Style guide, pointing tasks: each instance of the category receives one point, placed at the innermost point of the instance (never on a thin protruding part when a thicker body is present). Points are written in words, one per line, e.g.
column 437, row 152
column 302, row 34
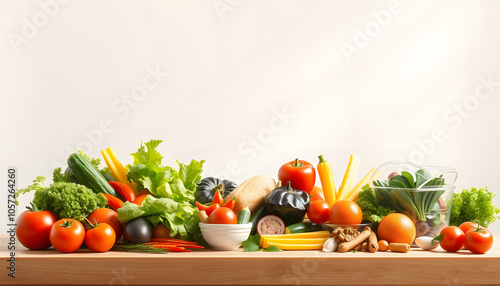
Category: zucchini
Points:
column 89, row 176
column 244, row 216
column 256, row 217
column 303, row 227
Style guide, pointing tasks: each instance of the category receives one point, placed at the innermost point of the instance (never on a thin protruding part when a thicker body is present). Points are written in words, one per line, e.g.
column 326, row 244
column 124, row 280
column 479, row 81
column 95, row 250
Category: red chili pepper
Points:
column 230, row 204
column 114, row 202
column 140, row 199
column 192, row 246
column 218, row 199
column 172, row 240
column 207, row 209
column 124, row 190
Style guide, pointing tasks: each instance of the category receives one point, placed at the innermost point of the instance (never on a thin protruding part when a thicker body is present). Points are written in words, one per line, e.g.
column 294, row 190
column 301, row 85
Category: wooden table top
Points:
column 208, row 267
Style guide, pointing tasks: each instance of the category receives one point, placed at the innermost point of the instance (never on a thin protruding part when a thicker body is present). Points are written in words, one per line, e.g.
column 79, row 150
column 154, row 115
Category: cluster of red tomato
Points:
column 470, row 235
column 40, row 229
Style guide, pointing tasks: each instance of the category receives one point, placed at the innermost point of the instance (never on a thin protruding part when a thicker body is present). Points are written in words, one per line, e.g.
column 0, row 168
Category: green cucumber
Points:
column 89, row 176
column 244, row 216
column 256, row 217
column 303, row 227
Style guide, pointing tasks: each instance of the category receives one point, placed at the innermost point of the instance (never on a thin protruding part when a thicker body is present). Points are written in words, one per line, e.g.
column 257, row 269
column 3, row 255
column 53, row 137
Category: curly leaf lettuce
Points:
column 372, row 211
column 474, row 205
column 172, row 203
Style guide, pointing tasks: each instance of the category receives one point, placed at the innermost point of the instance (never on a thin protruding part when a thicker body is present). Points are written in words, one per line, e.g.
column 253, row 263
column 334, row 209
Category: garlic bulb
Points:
column 330, row 245
column 426, row 242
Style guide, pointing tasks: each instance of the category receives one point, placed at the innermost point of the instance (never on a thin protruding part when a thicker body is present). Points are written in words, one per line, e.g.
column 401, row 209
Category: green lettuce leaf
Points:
column 172, row 214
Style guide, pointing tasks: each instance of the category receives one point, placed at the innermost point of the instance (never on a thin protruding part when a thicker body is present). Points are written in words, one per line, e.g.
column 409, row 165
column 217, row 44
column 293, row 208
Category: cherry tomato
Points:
column 161, row 231
column 318, row 212
column 478, row 240
column 346, row 212
column 223, row 215
column 300, row 173
column 451, row 239
column 100, row 237
column 67, row 235
column 468, row 225
column 397, row 228
column 317, row 194
column 109, row 216
column 33, row 228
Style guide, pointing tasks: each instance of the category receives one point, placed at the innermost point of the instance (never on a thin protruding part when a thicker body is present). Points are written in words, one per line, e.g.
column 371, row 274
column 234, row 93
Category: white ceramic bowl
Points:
column 225, row 236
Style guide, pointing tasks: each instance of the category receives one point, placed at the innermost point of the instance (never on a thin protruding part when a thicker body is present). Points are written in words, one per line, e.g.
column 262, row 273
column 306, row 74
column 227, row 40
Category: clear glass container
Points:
column 424, row 194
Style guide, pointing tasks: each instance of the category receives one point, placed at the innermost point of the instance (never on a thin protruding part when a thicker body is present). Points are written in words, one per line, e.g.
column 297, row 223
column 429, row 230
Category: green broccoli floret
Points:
column 474, row 205
column 372, row 211
column 69, row 200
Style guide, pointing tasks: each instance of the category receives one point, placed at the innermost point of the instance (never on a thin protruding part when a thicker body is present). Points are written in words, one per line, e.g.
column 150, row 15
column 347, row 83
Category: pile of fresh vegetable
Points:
column 147, row 201
column 147, row 206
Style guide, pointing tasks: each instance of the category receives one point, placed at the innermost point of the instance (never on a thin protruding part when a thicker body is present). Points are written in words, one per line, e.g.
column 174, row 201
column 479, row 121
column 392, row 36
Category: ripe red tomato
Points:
column 318, row 212
column 397, row 228
column 468, row 225
column 451, row 239
column 479, row 240
column 346, row 212
column 33, row 228
column 317, row 194
column 300, row 173
column 109, row 216
column 100, row 237
column 223, row 215
column 67, row 235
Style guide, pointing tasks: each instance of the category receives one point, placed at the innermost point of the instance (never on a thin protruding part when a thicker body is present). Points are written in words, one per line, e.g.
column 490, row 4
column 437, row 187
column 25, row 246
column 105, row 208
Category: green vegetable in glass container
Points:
column 419, row 201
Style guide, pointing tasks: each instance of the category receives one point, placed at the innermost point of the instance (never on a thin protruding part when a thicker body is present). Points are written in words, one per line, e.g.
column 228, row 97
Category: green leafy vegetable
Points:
column 172, row 214
column 65, row 200
column 38, row 184
column 273, row 248
column 372, row 211
column 474, row 205
column 173, row 189
column 59, row 176
column 419, row 201
column 252, row 243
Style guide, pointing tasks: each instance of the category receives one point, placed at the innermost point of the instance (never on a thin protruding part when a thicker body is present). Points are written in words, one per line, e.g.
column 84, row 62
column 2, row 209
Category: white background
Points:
column 234, row 66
